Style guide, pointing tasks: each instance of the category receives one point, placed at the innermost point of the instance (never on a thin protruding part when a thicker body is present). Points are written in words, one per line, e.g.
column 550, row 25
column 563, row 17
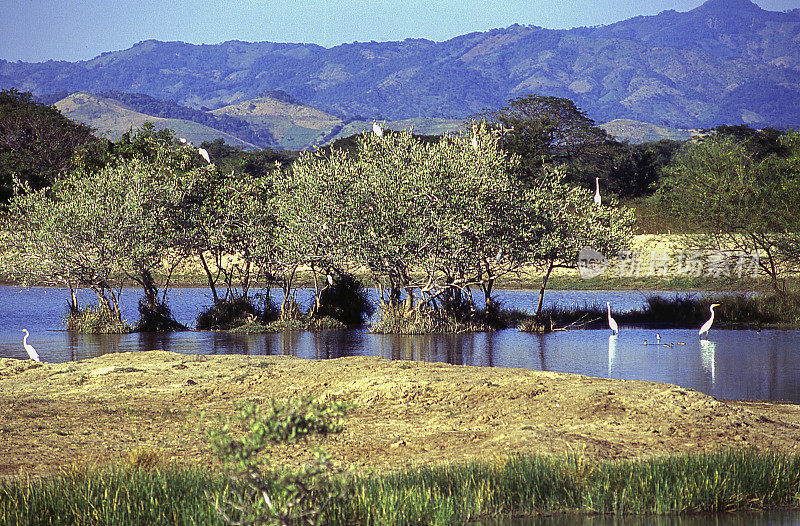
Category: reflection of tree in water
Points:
column 338, row 344
column 85, row 346
column 445, row 348
column 290, row 342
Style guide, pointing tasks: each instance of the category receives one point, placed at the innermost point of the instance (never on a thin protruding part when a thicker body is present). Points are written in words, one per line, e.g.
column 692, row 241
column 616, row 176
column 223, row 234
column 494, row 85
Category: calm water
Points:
column 729, row 364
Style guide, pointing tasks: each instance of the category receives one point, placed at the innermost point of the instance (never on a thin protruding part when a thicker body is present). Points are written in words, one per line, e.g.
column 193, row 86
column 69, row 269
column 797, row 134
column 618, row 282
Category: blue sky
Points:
column 38, row 30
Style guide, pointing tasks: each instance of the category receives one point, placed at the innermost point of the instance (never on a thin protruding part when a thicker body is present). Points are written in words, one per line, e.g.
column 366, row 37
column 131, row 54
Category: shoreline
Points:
column 408, row 414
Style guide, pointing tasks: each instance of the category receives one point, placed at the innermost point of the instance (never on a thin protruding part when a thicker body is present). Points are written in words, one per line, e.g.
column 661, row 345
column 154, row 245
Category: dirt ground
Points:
column 109, row 409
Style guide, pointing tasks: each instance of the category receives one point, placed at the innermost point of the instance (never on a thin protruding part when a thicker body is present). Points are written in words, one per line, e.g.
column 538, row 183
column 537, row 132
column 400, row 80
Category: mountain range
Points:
column 725, row 62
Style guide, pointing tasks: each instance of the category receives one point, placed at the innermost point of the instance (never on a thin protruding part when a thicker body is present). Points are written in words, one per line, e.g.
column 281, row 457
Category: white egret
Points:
column 597, row 199
column 658, row 337
column 612, row 323
column 474, row 143
column 376, row 128
column 204, row 154
column 707, row 325
column 183, row 140
column 29, row 348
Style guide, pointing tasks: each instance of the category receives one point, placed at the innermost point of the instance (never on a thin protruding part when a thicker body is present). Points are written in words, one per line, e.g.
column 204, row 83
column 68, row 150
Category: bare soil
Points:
column 119, row 407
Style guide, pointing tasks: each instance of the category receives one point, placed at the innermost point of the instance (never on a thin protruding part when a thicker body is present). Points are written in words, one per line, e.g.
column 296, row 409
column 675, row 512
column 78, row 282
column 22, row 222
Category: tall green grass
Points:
column 725, row 481
column 95, row 319
column 112, row 496
column 733, row 310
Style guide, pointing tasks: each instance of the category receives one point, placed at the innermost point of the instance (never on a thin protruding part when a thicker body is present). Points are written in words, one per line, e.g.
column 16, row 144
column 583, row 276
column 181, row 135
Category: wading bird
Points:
column 29, row 348
column 597, row 199
column 376, row 128
column 707, row 325
column 612, row 323
column 204, row 154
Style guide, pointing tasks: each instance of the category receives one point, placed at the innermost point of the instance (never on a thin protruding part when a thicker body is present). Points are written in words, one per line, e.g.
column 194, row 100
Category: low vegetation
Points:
column 95, row 320
column 719, row 482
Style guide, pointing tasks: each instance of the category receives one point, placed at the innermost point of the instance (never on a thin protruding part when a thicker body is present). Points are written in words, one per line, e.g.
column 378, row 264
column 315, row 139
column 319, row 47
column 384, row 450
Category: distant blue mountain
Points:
column 725, row 62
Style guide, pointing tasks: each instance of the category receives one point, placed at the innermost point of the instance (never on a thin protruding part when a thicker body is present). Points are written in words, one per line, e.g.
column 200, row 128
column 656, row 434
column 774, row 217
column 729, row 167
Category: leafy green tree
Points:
column 99, row 229
column 550, row 131
column 433, row 221
column 36, row 142
column 740, row 203
column 636, row 168
column 567, row 220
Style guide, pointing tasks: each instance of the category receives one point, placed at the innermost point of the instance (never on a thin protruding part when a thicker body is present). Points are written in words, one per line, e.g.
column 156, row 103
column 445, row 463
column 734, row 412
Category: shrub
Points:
column 230, row 314
column 156, row 318
column 259, row 490
column 346, row 300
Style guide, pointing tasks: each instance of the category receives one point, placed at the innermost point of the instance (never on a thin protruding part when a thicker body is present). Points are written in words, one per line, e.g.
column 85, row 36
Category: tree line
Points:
column 430, row 221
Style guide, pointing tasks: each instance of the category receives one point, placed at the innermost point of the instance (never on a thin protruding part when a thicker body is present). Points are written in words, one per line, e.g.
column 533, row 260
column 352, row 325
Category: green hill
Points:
column 294, row 126
column 111, row 119
column 638, row 132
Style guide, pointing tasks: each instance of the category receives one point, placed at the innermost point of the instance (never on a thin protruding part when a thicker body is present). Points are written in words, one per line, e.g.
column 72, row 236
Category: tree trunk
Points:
column 73, row 300
column 544, row 286
column 211, row 284
column 287, row 290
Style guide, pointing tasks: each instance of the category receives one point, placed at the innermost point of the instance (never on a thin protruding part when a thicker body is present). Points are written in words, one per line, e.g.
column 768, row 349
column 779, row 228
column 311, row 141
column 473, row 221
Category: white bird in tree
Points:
column 183, row 141
column 204, row 154
column 376, row 128
column 707, row 325
column 612, row 323
column 597, row 199
column 29, row 348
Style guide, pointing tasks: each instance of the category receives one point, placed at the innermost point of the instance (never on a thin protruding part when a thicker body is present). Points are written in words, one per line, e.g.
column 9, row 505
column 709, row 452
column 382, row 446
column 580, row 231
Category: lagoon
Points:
column 729, row 364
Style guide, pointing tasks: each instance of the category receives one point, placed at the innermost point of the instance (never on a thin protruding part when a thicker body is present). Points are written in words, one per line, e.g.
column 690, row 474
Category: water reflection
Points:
column 708, row 350
column 765, row 518
column 612, row 352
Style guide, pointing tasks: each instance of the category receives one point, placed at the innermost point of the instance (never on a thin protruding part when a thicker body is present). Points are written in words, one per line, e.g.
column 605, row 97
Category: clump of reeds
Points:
column 560, row 317
column 117, row 496
column 95, row 319
column 397, row 319
column 733, row 310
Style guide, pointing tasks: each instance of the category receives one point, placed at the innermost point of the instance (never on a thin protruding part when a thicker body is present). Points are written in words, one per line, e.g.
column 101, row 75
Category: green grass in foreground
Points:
column 727, row 481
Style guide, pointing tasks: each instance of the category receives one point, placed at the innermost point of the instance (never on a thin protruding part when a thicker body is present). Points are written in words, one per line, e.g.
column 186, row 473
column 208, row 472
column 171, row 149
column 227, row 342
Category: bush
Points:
column 346, row 300
column 260, row 491
column 157, row 318
column 225, row 315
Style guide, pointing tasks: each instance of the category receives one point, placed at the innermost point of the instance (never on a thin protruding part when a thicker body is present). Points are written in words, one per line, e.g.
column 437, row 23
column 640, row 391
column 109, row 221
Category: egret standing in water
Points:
column 597, row 199
column 612, row 323
column 29, row 348
column 707, row 325
column 376, row 128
